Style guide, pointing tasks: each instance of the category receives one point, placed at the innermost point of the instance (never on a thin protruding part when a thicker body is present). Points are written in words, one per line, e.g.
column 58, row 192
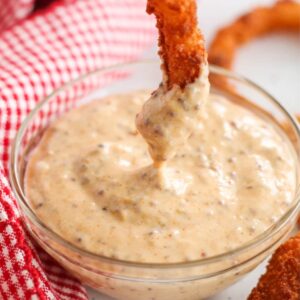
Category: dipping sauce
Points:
column 91, row 180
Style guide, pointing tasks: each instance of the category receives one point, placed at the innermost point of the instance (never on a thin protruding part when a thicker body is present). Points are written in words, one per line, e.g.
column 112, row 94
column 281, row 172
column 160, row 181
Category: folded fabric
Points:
column 11, row 11
column 36, row 56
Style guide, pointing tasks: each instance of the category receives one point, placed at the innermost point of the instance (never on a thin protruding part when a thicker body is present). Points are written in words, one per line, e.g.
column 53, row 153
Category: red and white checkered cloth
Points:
column 37, row 55
column 11, row 11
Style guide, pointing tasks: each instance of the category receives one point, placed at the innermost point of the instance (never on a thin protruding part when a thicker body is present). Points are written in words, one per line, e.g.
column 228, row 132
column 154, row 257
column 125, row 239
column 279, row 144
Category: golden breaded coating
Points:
column 282, row 279
column 283, row 15
column 181, row 43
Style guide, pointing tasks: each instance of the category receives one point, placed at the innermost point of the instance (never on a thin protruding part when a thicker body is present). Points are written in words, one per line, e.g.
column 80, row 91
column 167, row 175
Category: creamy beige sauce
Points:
column 91, row 180
column 169, row 117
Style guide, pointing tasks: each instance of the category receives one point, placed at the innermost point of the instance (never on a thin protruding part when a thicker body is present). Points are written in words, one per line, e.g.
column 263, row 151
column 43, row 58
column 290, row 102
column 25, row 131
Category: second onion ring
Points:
column 283, row 15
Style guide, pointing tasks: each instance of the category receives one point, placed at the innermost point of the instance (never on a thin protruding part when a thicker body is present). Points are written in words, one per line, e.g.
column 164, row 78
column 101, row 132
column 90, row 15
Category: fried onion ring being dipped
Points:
column 181, row 43
column 185, row 85
column 282, row 278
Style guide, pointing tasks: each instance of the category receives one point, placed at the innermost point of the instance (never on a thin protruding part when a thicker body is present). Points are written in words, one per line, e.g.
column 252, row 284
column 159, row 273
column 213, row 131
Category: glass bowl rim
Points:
column 28, row 211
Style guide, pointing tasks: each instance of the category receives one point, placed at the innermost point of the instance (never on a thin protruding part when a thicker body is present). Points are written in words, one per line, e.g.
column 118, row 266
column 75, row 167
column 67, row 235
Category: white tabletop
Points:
column 273, row 62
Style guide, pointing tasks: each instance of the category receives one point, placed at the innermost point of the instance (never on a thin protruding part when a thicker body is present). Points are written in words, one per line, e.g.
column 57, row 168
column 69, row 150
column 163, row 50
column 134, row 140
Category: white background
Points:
column 273, row 62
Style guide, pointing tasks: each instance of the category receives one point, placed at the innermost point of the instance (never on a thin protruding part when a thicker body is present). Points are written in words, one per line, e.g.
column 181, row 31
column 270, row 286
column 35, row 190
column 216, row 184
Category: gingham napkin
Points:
column 37, row 55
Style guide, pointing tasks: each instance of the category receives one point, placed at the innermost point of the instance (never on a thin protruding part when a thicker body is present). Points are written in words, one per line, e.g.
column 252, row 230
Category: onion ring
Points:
column 283, row 15
column 282, row 279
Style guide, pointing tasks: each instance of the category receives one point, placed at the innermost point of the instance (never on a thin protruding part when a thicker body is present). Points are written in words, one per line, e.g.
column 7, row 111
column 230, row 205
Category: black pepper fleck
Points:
column 147, row 122
column 158, row 131
column 230, row 160
column 84, row 181
column 182, row 103
column 171, row 114
column 203, row 254
column 144, row 175
column 233, row 124
column 100, row 193
column 154, row 93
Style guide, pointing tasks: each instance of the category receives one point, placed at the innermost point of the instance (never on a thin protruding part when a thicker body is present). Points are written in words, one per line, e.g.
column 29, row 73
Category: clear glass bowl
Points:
column 139, row 281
